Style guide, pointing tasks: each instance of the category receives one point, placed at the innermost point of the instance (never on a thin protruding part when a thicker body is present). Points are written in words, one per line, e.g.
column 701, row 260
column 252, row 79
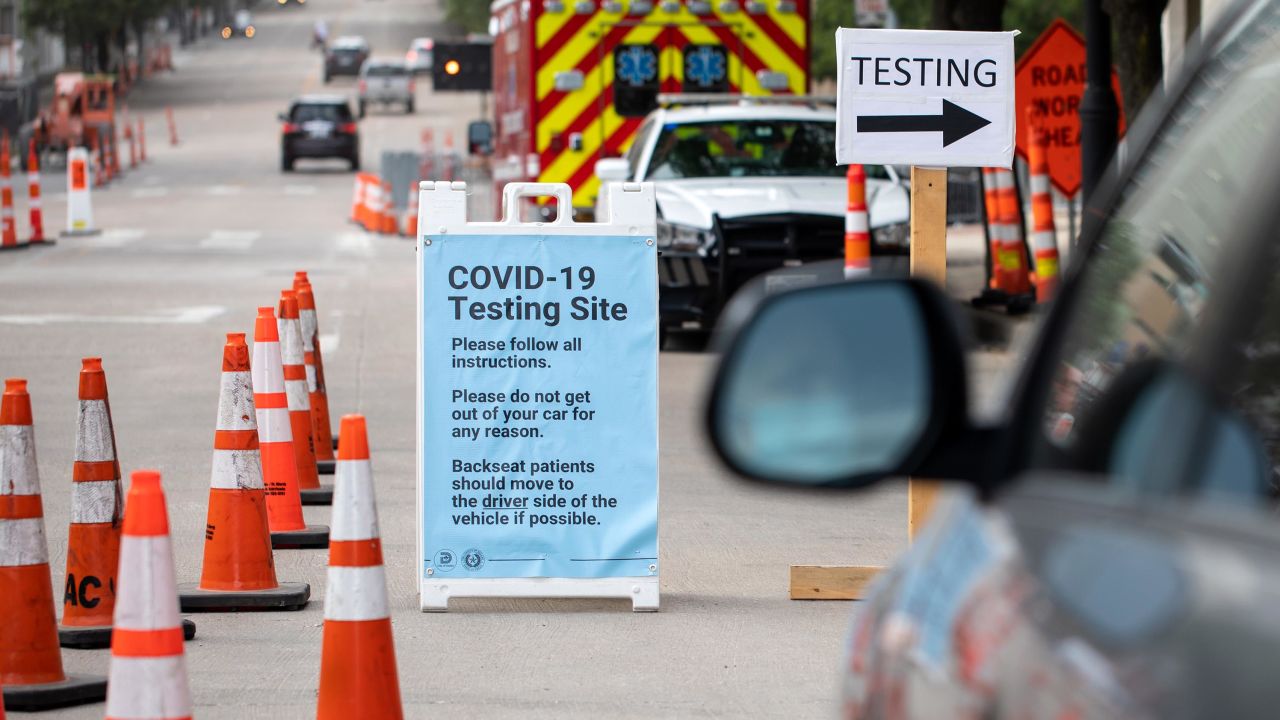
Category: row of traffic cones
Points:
column 254, row 505
column 1011, row 281
column 8, row 225
column 372, row 209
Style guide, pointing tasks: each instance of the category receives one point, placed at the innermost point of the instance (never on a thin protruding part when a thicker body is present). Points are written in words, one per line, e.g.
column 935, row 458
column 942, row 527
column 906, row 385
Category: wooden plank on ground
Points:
column 830, row 582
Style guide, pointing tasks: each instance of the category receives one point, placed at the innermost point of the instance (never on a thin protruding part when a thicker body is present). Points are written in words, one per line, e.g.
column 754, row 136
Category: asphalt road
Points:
column 205, row 232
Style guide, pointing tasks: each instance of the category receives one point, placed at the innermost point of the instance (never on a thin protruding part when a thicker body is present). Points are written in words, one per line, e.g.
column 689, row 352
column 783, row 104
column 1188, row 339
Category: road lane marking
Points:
column 300, row 190
column 150, row 192
column 238, row 240
column 224, row 190
column 193, row 315
column 356, row 243
column 114, row 238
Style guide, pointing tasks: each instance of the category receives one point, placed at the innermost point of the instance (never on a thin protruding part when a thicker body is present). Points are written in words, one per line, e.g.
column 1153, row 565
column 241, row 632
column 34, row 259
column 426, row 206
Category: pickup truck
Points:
column 387, row 82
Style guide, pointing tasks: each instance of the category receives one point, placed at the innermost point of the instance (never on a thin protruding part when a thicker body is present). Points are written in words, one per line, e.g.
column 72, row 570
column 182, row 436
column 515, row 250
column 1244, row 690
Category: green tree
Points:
column 470, row 15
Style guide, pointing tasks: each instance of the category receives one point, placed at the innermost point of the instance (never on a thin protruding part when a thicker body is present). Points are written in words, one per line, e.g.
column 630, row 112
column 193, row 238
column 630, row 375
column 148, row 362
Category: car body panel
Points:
column 384, row 81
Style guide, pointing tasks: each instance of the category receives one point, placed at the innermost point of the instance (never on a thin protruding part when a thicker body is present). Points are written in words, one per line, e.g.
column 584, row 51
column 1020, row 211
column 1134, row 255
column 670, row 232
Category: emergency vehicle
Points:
column 573, row 80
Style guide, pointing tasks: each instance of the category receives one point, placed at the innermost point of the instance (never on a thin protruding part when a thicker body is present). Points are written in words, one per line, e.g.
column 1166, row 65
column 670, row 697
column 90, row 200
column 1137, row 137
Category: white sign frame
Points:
column 904, row 87
column 629, row 209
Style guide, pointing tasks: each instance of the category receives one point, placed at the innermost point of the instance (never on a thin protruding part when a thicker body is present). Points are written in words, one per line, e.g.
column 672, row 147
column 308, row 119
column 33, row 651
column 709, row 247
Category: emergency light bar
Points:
column 670, row 99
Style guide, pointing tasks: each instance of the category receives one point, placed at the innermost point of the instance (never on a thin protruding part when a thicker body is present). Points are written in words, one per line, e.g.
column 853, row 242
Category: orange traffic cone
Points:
column 173, row 125
column 357, row 198
column 30, row 660
column 388, row 226
column 275, row 442
column 411, row 215
column 36, row 211
column 239, row 570
column 857, row 228
column 358, row 658
column 315, row 374
column 299, row 395
column 148, row 668
column 93, row 542
column 1044, row 236
column 8, row 225
column 142, row 141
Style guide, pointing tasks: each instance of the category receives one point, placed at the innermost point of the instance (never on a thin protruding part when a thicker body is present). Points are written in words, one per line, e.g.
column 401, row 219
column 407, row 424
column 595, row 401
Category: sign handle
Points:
column 928, row 260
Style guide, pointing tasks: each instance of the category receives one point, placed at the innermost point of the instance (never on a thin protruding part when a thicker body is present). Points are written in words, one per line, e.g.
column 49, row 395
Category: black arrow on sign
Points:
column 954, row 123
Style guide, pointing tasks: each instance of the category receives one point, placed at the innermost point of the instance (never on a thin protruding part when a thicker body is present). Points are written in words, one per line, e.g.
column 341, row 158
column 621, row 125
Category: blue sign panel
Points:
column 539, row 373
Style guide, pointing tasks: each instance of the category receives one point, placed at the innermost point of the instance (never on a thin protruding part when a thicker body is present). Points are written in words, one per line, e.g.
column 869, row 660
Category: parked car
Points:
column 386, row 82
column 745, row 188
column 344, row 56
column 241, row 25
column 1110, row 548
column 319, row 127
column 419, row 55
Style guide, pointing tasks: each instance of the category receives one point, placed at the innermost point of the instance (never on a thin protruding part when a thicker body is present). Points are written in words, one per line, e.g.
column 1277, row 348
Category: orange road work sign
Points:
column 1050, row 81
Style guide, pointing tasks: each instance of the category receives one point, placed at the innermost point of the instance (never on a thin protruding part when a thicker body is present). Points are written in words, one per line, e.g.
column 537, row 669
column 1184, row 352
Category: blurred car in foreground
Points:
column 386, row 82
column 1111, row 547
column 419, row 55
column 319, row 126
column 241, row 26
column 344, row 56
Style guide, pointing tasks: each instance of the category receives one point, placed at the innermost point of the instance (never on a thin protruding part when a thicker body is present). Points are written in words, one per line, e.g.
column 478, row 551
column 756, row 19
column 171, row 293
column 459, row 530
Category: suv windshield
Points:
column 386, row 70
column 746, row 148
column 321, row 111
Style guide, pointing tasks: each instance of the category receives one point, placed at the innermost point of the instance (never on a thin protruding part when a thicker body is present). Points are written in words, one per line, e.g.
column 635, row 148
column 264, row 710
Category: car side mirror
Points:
column 480, row 138
column 613, row 170
column 842, row 385
column 282, row 117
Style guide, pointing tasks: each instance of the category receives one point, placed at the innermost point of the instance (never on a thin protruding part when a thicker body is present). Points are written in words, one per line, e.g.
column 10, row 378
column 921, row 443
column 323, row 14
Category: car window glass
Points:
column 1149, row 279
column 637, row 146
column 1255, row 394
column 331, row 113
column 745, row 148
column 386, row 71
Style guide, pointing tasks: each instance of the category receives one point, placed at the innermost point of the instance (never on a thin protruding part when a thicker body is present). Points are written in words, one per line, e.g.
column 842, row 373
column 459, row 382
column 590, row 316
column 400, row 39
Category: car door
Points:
column 1132, row 568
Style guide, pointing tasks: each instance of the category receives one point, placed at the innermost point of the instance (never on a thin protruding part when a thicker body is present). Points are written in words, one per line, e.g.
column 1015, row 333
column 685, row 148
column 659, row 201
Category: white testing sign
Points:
column 925, row 97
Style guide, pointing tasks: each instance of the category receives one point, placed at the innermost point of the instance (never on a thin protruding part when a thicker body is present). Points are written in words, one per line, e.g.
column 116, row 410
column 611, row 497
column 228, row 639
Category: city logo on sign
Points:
column 473, row 559
column 924, row 97
column 637, row 65
column 1048, row 85
column 705, row 66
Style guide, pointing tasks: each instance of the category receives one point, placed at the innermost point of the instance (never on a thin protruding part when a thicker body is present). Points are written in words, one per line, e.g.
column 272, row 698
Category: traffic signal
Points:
column 462, row 66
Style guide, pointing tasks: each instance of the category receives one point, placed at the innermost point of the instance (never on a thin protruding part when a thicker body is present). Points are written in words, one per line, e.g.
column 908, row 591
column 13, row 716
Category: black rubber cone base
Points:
column 326, row 467
column 311, row 537
column 19, row 246
column 287, row 596
column 97, row 637
column 335, row 441
column 322, row 495
column 75, row 690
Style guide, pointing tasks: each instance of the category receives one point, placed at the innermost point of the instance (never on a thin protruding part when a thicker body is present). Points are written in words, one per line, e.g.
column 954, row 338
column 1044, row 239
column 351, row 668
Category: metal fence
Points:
column 964, row 195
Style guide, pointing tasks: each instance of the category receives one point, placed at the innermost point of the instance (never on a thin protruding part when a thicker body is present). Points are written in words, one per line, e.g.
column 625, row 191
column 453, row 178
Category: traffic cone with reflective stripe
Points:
column 93, row 541
column 857, row 228
column 388, row 226
column 173, row 125
column 148, row 666
column 8, row 224
column 357, row 659
column 357, row 197
column 275, row 442
column 239, row 570
column 35, row 208
column 30, row 659
column 411, row 215
column 299, row 396
column 1044, row 236
column 133, row 144
column 315, row 374
column 142, row 141
column 372, row 204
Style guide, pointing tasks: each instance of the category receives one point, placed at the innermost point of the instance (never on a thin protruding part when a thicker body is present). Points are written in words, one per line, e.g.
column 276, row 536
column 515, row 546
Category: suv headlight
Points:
column 683, row 238
column 894, row 235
